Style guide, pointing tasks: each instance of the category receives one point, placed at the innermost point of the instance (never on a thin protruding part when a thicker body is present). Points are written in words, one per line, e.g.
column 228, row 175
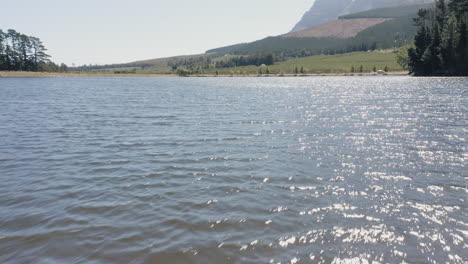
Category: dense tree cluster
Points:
column 90, row 67
column 19, row 52
column 196, row 65
column 441, row 43
column 192, row 63
column 255, row 59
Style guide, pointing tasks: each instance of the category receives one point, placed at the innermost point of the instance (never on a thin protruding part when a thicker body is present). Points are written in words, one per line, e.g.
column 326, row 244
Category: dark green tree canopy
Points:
column 19, row 52
column 441, row 44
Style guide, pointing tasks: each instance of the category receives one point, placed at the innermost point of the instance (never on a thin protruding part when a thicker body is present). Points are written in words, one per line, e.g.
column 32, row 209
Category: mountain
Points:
column 324, row 11
column 348, row 26
column 341, row 28
column 381, row 28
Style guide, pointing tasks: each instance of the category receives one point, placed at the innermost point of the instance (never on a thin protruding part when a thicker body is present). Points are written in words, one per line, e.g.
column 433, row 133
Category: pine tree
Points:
column 447, row 52
column 462, row 65
column 434, row 59
column 441, row 13
column 421, row 42
column 3, row 60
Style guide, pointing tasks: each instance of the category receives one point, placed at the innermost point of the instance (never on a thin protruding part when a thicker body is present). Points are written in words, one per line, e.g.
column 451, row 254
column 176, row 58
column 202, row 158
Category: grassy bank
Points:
column 323, row 64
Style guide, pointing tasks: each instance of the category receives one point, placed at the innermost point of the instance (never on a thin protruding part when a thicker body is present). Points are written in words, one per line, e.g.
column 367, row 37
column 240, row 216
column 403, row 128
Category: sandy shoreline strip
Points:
column 71, row 74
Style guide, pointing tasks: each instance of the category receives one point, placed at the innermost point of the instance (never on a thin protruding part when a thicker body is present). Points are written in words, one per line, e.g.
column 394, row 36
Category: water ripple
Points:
column 256, row 170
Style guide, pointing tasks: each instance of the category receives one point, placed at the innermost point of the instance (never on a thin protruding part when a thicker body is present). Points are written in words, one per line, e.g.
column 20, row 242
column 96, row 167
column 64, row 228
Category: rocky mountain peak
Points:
column 327, row 10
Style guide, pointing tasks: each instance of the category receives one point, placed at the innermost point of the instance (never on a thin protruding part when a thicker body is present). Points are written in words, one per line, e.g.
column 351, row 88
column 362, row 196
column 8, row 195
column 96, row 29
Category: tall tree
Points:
column 39, row 55
column 3, row 61
column 435, row 54
column 447, row 52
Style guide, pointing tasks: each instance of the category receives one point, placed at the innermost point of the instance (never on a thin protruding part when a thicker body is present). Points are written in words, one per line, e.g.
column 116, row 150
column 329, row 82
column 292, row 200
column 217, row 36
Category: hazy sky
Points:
column 113, row 31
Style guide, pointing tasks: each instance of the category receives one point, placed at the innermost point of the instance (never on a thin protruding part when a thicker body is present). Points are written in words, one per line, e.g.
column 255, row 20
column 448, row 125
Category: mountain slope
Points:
column 342, row 28
column 392, row 33
column 327, row 10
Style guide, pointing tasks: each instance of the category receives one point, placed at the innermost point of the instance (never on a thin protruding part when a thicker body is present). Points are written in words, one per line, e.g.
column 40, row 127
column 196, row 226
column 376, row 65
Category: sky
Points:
column 118, row 31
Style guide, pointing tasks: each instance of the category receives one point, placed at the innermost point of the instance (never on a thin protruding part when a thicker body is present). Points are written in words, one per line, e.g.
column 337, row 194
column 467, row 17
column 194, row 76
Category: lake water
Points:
column 234, row 170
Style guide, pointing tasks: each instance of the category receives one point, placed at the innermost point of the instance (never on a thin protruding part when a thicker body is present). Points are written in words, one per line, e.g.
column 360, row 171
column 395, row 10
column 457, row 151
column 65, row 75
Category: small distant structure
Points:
column 263, row 65
column 380, row 72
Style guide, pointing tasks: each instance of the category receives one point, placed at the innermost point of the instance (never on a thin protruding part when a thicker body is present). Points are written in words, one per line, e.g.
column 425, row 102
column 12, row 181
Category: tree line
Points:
column 90, row 67
column 203, row 62
column 255, row 59
column 19, row 52
column 196, row 65
column 441, row 43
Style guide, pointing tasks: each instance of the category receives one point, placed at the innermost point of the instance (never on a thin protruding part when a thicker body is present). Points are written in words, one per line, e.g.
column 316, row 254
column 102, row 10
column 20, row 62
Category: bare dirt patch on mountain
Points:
column 341, row 28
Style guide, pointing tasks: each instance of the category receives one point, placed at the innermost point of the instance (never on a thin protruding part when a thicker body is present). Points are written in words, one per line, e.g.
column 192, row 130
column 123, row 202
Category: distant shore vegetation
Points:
column 370, row 62
column 20, row 52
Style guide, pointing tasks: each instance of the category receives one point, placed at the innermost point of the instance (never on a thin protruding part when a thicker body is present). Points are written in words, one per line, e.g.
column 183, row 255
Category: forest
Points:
column 19, row 52
column 441, row 43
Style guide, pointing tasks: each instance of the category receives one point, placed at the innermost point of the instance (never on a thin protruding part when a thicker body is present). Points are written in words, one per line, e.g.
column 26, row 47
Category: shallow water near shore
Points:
column 234, row 170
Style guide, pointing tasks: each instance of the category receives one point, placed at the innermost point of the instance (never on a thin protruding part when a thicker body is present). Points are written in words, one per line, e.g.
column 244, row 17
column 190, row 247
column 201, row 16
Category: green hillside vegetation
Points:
column 163, row 65
column 341, row 63
column 394, row 33
column 389, row 12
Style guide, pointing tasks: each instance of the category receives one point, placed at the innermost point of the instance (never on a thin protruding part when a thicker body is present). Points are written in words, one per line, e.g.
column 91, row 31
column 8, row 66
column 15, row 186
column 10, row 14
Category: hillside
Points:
column 392, row 33
column 324, row 11
column 159, row 65
column 342, row 28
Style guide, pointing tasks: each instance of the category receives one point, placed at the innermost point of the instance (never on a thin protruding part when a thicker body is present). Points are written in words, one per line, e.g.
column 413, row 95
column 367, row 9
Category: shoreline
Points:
column 75, row 74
